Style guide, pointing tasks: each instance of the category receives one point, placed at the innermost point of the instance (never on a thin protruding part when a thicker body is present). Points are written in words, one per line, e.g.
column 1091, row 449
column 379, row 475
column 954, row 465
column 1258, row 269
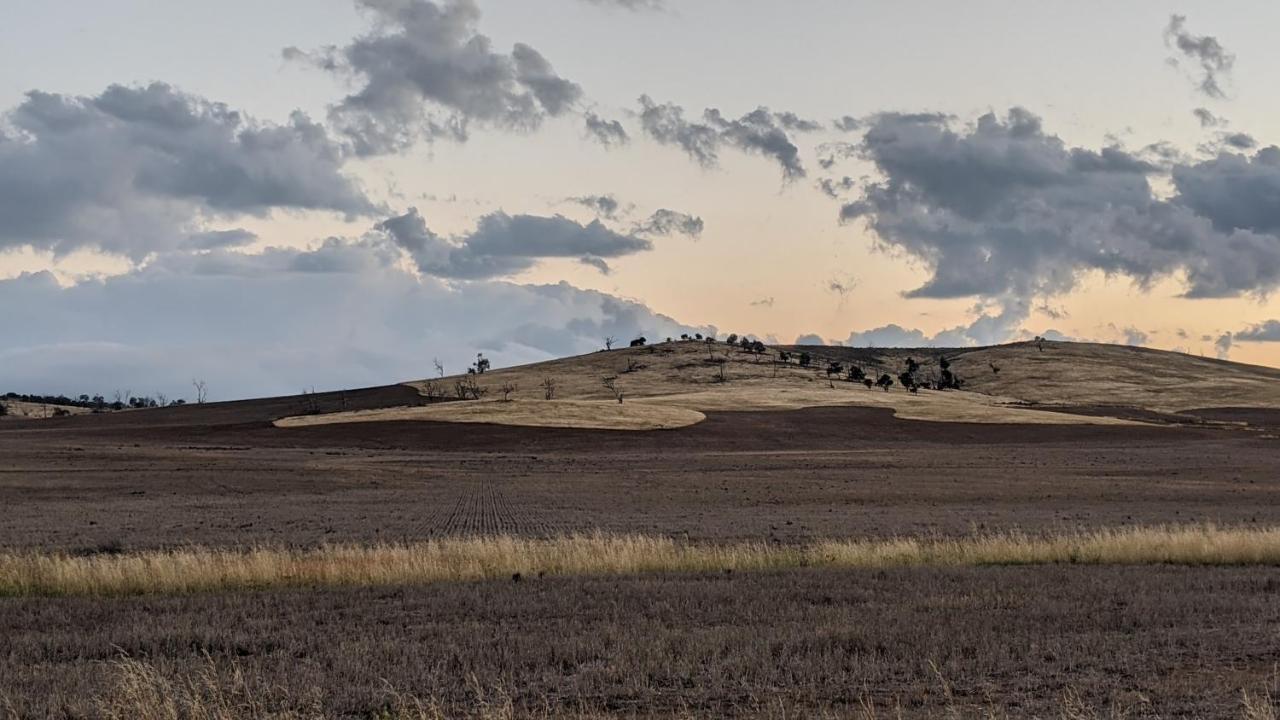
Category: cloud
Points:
column 831, row 153
column 604, row 206
column 833, row 188
column 1240, row 141
column 809, row 339
column 1055, row 313
column 608, row 133
column 630, row 4
column 504, row 245
column 1205, row 50
column 666, row 124
column 847, row 123
column 760, row 131
column 424, row 71
column 763, row 302
column 137, row 170
column 891, row 335
column 358, row 323
column 1234, row 191
column 666, row 222
column 985, row 329
column 1223, row 346
column 1268, row 331
column 1134, row 336
column 597, row 263
column 1003, row 209
column 842, row 286
column 1207, row 119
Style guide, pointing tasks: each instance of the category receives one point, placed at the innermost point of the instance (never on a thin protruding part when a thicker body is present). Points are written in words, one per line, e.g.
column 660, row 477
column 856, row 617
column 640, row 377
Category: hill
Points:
column 673, row 384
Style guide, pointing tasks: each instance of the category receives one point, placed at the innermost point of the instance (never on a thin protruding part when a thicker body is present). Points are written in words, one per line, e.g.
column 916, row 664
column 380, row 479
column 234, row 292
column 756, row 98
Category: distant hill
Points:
column 672, row 384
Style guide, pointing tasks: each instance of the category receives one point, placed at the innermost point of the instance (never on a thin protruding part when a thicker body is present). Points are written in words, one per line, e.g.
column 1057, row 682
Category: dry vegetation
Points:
column 685, row 378
column 39, row 411
column 1048, row 641
column 589, row 414
column 464, row 559
column 1094, row 374
column 142, row 691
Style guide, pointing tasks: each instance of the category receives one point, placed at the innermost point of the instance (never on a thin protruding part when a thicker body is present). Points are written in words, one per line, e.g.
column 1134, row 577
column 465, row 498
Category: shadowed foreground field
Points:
column 1047, row 641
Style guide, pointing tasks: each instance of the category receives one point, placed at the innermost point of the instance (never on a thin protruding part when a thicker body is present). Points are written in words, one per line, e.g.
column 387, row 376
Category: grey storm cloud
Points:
column 505, row 244
column 1268, row 331
column 425, row 71
column 669, row 222
column 1213, row 59
column 760, row 131
column 292, row 319
column 608, row 133
column 1234, row 191
column 1001, row 209
column 130, row 170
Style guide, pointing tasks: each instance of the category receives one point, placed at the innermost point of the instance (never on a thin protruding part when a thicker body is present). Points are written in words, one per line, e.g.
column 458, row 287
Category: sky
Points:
column 281, row 196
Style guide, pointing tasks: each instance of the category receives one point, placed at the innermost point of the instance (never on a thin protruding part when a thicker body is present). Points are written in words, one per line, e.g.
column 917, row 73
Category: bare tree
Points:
column 311, row 401
column 439, row 367
column 202, row 390
column 506, row 389
column 162, row 399
column 720, row 377
column 609, row 341
column 611, row 382
column 468, row 388
column 433, row 391
column 549, row 388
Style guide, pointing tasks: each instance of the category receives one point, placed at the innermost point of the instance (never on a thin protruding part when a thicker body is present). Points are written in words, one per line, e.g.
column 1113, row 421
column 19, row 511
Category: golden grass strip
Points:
column 205, row 570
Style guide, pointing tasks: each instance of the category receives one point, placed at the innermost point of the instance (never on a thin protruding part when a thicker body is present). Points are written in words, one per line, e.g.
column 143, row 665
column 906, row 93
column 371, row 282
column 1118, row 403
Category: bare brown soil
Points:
column 1157, row 641
column 222, row 475
column 982, row 642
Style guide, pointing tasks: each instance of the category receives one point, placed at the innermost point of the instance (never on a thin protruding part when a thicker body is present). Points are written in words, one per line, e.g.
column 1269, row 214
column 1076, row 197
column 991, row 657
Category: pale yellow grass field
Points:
column 18, row 408
column 1095, row 374
column 676, row 382
column 590, row 414
column 204, row 570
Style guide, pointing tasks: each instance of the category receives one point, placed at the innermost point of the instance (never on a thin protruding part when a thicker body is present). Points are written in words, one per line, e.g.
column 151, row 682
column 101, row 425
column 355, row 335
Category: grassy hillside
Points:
column 671, row 384
column 1090, row 374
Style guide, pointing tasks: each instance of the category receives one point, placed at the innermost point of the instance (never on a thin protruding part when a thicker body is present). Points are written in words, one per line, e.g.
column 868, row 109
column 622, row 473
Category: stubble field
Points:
column 1047, row 640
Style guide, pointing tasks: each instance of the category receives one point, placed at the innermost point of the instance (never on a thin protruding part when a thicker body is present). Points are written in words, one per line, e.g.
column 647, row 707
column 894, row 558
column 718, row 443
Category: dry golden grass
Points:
column 597, row 414
column 1096, row 374
column 671, row 384
column 200, row 569
column 19, row 408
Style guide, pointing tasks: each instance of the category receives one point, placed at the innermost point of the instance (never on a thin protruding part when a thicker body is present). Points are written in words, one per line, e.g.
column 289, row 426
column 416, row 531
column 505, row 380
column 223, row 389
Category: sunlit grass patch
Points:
column 198, row 569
